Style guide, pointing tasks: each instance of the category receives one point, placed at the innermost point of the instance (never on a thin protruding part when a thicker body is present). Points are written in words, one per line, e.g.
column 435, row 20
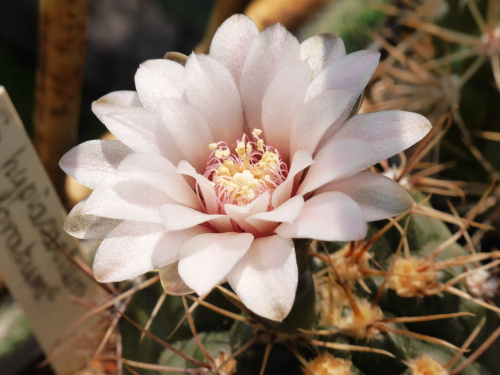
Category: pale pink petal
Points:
column 189, row 131
column 352, row 73
column 126, row 252
column 240, row 213
column 301, row 160
column 265, row 222
column 321, row 50
column 84, row 226
column 134, row 248
column 269, row 51
column 231, row 42
column 127, row 200
column 389, row 132
column 115, row 101
column 331, row 216
column 286, row 213
column 172, row 282
column 206, row 259
column 158, row 79
column 282, row 101
column 205, row 186
column 339, row 159
column 316, row 117
column 177, row 217
column 211, row 90
column 266, row 278
column 159, row 172
column 378, row 196
column 94, row 163
column 168, row 249
column 137, row 128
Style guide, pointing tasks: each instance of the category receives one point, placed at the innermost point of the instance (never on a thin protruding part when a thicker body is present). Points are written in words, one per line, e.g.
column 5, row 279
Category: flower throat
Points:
column 241, row 176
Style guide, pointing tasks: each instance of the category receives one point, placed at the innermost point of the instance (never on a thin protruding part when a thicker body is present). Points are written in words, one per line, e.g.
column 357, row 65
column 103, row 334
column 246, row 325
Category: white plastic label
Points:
column 37, row 274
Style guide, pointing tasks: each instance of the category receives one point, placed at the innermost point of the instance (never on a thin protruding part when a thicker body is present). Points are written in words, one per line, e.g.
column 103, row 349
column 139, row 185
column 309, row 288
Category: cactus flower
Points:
column 220, row 163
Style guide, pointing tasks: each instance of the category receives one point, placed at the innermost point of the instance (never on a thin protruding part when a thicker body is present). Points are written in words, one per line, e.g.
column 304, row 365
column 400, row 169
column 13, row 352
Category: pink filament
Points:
column 278, row 174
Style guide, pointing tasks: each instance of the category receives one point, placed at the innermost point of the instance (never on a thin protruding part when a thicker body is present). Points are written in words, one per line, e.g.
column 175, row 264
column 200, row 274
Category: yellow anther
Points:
column 223, row 171
column 251, row 195
column 260, row 145
column 219, row 154
column 244, row 179
column 240, row 149
column 269, row 161
column 246, row 162
column 241, row 176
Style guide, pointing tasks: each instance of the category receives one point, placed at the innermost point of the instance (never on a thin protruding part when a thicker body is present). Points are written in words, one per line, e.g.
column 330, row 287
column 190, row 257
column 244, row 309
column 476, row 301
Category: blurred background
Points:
column 120, row 35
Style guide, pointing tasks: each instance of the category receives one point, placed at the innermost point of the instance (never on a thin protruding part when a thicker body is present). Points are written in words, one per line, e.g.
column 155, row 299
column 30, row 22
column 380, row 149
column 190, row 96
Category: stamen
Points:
column 240, row 177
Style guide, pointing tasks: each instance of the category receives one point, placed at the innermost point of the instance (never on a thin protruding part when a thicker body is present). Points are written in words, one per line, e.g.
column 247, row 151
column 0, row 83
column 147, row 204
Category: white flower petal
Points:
column 389, row 132
column 269, row 51
column 172, row 282
column 231, row 42
column 301, row 160
column 378, row 196
column 189, row 131
column 115, row 101
column 331, row 216
column 137, row 128
column 240, row 213
column 282, row 101
column 211, row 90
column 267, row 222
column 168, row 250
column 126, row 252
column 205, row 186
column 94, row 163
column 158, row 79
column 84, row 226
column 266, row 278
column 321, row 50
column 339, row 159
column 286, row 213
column 127, row 200
column 206, row 259
column 134, row 248
column 316, row 117
column 159, row 172
column 177, row 217
column 352, row 73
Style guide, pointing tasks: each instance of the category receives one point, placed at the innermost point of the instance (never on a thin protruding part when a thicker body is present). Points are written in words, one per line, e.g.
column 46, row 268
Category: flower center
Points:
column 241, row 176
